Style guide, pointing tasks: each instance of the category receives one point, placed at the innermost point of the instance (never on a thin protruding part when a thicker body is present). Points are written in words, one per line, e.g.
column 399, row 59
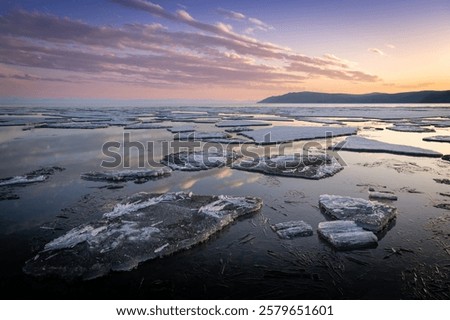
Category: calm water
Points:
column 245, row 260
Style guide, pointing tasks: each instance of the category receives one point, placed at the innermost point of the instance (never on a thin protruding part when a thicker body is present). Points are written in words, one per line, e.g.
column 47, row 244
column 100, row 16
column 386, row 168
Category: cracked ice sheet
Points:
column 143, row 227
column 360, row 144
column 308, row 167
column 126, row 175
column 198, row 160
column 370, row 215
column 288, row 133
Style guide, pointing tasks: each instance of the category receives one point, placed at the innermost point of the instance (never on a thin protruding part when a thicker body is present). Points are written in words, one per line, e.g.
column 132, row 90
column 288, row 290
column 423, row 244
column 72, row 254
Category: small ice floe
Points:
column 126, row 175
column 199, row 160
column 31, row 177
column 308, row 167
column 288, row 133
column 241, row 123
column 410, row 128
column 437, row 139
column 238, row 129
column 197, row 135
column 382, row 195
column 146, row 125
column 360, row 144
column 73, row 125
column 182, row 129
column 292, row 229
column 442, row 181
column 22, row 180
column 370, row 215
column 346, row 235
column 227, row 141
column 149, row 226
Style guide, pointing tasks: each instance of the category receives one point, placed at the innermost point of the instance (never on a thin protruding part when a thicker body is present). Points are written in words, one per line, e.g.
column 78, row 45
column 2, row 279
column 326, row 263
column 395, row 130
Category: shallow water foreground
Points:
column 246, row 259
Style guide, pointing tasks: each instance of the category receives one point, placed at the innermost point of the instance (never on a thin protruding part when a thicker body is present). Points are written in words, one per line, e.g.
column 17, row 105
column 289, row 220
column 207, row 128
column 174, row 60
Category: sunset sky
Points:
column 224, row 50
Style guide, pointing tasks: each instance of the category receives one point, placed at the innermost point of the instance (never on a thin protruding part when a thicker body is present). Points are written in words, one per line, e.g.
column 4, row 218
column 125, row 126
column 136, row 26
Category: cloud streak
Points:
column 151, row 55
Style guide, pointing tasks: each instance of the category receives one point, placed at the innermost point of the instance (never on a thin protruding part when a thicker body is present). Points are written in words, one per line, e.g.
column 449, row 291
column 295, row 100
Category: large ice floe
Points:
column 346, row 235
column 314, row 167
column 140, row 175
column 360, row 144
column 370, row 215
column 143, row 227
column 292, row 229
column 288, row 133
column 199, row 160
column 437, row 139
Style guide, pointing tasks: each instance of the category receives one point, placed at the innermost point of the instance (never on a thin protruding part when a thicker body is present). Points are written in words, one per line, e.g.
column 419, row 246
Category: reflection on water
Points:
column 246, row 259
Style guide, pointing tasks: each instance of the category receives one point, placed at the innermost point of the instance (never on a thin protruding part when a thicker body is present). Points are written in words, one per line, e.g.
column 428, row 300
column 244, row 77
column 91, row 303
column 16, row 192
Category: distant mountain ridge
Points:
column 376, row 97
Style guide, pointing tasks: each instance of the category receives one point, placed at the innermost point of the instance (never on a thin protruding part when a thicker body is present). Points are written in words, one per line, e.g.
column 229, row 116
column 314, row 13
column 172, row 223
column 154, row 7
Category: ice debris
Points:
column 143, row 227
column 370, row 215
column 308, row 167
column 292, row 229
column 360, row 144
column 199, row 160
column 289, row 133
column 126, row 175
column 346, row 235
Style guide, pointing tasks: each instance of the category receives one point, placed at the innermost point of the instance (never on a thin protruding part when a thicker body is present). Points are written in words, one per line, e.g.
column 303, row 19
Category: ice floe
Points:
column 198, row 135
column 241, row 123
column 73, row 125
column 382, row 195
column 292, row 229
column 179, row 129
column 148, row 226
column 199, row 160
column 370, row 215
column 147, row 125
column 238, row 129
column 360, row 144
column 308, row 167
column 126, row 175
column 346, row 235
column 289, row 133
column 31, row 177
column 437, row 139
column 410, row 128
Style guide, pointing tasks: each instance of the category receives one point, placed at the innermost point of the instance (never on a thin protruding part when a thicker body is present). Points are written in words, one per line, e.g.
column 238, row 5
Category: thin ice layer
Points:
column 143, row 227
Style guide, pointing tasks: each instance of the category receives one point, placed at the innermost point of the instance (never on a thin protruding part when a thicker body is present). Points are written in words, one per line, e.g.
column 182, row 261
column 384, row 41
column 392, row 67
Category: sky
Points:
column 221, row 50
